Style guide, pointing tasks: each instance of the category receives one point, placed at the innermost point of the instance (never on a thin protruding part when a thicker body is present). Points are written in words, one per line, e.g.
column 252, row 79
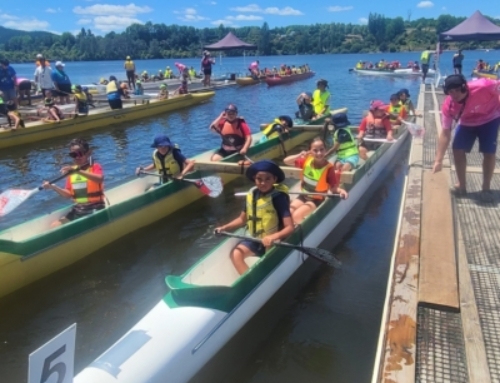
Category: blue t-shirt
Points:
column 59, row 77
column 7, row 78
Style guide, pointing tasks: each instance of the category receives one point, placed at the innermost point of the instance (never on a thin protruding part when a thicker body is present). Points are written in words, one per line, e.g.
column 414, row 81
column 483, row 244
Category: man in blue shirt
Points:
column 62, row 83
column 8, row 81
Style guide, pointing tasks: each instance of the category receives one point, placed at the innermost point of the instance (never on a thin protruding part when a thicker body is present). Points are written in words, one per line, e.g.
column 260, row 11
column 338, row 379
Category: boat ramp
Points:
column 441, row 320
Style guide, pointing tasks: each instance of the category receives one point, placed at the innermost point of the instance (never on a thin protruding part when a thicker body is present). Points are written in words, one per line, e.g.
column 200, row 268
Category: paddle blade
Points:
column 11, row 199
column 211, row 186
column 414, row 129
column 323, row 256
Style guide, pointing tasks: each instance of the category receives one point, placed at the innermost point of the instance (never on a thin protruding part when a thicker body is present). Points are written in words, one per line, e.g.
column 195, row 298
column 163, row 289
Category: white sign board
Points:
column 54, row 361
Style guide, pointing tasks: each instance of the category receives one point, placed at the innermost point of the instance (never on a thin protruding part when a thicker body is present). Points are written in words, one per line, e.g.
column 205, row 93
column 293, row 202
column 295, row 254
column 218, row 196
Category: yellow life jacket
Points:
column 315, row 180
column 169, row 167
column 111, row 87
column 84, row 190
column 129, row 65
column 395, row 110
column 348, row 148
column 262, row 218
column 269, row 130
column 168, row 73
column 81, row 97
column 359, row 66
column 319, row 101
column 192, row 73
column 425, row 57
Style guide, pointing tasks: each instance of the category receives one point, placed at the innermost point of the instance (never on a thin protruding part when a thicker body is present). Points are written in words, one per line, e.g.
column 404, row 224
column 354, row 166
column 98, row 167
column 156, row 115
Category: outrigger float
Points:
column 32, row 250
column 39, row 130
column 208, row 304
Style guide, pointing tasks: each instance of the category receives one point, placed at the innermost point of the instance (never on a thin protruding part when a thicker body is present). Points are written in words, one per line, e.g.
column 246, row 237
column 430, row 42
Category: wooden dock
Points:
column 441, row 320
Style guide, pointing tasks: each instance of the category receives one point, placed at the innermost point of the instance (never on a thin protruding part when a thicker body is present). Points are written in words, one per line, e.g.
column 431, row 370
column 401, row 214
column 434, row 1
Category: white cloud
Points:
column 287, row 11
column 84, row 21
column 5, row 16
column 363, row 20
column 53, row 10
column 114, row 23
column 339, row 8
column 425, row 4
column 27, row 24
column 244, row 18
column 109, row 10
column 226, row 23
column 189, row 15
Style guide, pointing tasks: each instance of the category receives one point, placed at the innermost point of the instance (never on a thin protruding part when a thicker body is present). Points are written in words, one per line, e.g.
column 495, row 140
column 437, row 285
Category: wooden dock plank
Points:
column 438, row 283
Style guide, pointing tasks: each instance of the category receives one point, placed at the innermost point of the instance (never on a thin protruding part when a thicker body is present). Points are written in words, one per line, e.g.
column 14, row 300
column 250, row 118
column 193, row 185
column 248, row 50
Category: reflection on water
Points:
column 327, row 334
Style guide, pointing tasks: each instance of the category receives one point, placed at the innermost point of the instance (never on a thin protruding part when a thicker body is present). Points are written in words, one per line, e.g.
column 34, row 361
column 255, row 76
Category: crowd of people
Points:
column 284, row 70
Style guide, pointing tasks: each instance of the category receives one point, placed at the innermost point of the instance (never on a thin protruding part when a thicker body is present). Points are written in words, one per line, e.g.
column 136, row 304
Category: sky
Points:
column 103, row 16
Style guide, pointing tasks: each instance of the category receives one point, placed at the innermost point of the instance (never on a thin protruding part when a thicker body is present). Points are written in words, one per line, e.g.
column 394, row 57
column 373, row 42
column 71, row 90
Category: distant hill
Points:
column 6, row 33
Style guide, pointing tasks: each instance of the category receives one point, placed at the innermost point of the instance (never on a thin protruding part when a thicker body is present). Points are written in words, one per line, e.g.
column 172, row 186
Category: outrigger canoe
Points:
column 482, row 74
column 210, row 302
column 406, row 72
column 279, row 80
column 32, row 250
column 39, row 130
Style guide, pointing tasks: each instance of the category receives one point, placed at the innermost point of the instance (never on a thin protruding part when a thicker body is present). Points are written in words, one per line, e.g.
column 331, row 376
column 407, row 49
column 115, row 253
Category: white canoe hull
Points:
column 394, row 73
column 173, row 344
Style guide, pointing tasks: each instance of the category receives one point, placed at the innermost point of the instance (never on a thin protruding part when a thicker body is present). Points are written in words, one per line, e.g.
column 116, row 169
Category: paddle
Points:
column 414, row 129
column 327, row 195
column 12, row 198
column 210, row 186
column 319, row 254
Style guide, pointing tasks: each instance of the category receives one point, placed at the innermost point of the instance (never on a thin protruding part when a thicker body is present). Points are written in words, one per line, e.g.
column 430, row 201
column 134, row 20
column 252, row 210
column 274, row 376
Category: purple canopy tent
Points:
column 228, row 43
column 475, row 28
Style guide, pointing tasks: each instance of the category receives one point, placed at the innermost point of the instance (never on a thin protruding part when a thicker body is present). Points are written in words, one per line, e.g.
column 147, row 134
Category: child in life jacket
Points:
column 376, row 125
column 266, row 213
column 396, row 110
column 318, row 176
column 53, row 111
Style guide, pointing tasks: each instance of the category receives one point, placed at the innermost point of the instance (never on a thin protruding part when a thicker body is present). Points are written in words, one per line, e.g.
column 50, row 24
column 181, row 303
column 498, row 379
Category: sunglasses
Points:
column 231, row 111
column 76, row 154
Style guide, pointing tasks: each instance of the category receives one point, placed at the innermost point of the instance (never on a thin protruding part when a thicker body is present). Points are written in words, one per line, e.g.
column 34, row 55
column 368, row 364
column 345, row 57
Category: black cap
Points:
column 265, row 166
column 287, row 119
column 340, row 120
column 454, row 81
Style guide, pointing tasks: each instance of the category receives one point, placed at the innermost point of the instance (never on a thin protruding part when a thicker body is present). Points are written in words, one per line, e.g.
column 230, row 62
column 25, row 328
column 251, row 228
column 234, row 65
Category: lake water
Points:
column 327, row 331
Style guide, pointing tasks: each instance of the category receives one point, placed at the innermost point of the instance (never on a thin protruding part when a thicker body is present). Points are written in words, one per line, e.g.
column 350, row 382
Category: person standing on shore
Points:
column 8, row 82
column 130, row 72
column 475, row 107
column 425, row 59
column 62, row 83
column 457, row 62
column 206, row 67
column 43, row 75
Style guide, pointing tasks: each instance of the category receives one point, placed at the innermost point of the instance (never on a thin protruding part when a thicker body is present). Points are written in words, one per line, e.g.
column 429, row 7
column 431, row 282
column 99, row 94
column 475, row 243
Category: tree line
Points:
column 151, row 41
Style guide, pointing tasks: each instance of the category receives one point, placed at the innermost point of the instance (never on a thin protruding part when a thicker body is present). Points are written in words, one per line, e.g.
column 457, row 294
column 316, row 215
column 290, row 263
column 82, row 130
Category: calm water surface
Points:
column 327, row 333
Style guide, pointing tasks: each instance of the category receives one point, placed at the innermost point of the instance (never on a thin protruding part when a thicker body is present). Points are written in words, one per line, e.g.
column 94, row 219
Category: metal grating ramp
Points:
column 440, row 347
column 482, row 245
column 430, row 138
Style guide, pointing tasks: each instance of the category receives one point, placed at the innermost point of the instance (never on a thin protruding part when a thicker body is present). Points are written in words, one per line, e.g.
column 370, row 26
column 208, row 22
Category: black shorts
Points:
column 226, row 153
column 116, row 104
column 255, row 247
column 425, row 68
column 79, row 211
column 457, row 66
column 305, row 199
column 207, row 71
column 370, row 145
column 64, row 90
column 25, row 85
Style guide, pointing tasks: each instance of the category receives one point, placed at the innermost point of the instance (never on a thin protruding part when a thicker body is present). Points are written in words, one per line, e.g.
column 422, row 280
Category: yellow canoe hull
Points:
column 490, row 75
column 39, row 130
column 19, row 271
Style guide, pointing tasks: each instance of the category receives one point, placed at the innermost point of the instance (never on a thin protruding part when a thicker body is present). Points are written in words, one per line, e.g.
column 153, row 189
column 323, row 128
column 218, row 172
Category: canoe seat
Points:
column 250, row 261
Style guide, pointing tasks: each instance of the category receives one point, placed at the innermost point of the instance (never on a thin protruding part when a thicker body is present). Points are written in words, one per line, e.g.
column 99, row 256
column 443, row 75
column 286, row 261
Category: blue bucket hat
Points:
column 340, row 120
column 161, row 140
column 265, row 166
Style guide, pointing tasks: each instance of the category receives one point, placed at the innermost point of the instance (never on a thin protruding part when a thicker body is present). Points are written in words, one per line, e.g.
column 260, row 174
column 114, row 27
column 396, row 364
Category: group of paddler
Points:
column 268, row 213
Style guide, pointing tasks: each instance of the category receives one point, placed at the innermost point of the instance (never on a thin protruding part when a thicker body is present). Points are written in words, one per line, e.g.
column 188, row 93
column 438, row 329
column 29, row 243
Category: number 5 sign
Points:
column 53, row 362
